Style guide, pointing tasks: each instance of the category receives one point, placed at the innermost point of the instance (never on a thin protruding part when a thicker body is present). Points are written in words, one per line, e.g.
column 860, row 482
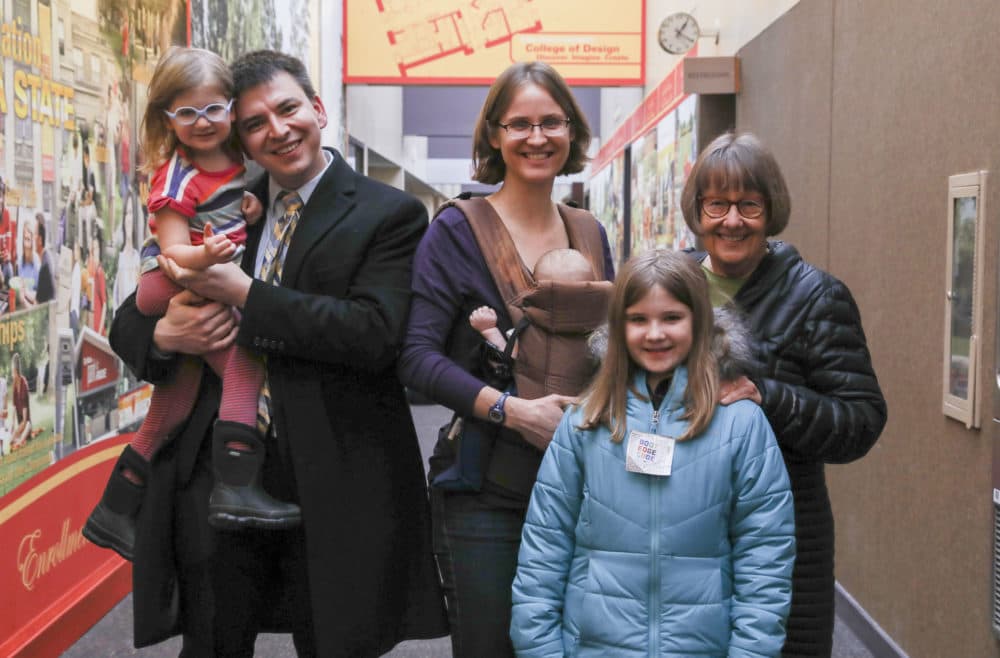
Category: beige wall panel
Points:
column 912, row 101
column 786, row 101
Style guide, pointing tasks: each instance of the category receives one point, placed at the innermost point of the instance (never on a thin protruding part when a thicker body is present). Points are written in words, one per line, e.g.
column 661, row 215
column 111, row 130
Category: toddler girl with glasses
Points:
column 197, row 204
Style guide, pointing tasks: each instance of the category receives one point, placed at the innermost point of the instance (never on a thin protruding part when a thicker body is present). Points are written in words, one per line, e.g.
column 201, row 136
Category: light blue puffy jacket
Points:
column 697, row 563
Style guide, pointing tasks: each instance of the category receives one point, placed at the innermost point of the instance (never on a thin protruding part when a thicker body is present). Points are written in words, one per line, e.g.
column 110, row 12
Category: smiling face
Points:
column 658, row 334
column 203, row 137
column 27, row 240
column 735, row 244
column 537, row 158
column 280, row 126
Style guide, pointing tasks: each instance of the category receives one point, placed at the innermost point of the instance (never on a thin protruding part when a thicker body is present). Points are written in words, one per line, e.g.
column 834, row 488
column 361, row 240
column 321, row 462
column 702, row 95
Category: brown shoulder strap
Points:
column 498, row 250
column 585, row 236
column 501, row 255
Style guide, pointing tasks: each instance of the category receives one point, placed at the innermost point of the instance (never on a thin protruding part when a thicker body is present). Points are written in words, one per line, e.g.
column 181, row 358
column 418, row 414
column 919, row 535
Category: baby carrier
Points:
column 552, row 321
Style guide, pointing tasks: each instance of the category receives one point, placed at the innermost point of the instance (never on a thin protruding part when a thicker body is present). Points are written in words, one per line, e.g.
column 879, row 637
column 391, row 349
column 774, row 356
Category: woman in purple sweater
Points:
column 529, row 131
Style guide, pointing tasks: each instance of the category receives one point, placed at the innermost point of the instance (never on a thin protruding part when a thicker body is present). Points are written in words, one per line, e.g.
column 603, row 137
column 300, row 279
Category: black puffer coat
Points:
column 823, row 401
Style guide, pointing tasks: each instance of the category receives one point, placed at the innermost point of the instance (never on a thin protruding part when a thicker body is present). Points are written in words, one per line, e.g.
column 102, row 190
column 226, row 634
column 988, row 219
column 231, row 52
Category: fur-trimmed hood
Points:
column 730, row 342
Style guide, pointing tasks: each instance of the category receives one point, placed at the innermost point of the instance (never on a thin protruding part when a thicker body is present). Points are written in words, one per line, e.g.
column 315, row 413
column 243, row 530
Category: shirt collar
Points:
column 304, row 192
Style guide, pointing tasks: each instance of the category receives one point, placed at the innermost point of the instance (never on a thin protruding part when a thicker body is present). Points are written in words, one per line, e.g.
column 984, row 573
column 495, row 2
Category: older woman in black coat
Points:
column 813, row 374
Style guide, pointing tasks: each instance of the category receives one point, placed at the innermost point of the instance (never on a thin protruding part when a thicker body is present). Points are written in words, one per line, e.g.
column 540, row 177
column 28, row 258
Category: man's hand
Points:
column 225, row 283
column 738, row 389
column 194, row 325
column 536, row 420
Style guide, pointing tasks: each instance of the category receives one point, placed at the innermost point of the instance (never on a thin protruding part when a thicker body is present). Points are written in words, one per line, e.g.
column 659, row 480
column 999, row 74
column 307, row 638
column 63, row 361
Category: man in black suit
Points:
column 358, row 576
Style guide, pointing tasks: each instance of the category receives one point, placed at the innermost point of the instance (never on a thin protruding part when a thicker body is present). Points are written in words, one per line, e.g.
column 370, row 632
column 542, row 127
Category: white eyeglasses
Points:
column 214, row 112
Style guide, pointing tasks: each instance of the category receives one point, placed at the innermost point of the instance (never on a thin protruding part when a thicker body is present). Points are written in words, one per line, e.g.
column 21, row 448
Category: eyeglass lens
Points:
column 720, row 208
column 215, row 113
column 551, row 127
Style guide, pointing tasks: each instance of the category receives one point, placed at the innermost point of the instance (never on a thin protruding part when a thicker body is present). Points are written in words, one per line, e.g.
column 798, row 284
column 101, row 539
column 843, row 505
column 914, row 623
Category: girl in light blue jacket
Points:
column 661, row 523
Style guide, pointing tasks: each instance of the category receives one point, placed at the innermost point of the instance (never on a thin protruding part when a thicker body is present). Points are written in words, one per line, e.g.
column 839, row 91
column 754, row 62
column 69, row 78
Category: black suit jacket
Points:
column 347, row 450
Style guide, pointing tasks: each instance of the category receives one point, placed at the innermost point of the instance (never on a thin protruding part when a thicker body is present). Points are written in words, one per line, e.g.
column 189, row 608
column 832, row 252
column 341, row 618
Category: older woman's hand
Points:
column 536, row 420
column 738, row 389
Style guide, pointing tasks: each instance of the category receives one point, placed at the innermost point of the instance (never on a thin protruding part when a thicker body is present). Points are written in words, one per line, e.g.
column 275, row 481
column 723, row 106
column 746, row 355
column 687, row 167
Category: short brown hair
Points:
column 738, row 162
column 261, row 66
column 487, row 161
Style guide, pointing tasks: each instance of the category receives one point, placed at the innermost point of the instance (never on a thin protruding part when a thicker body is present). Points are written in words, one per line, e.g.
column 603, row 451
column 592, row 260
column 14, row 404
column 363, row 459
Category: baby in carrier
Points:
column 547, row 352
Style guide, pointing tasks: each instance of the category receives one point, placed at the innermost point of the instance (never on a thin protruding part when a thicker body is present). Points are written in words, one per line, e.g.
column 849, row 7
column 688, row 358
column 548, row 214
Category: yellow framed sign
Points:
column 463, row 42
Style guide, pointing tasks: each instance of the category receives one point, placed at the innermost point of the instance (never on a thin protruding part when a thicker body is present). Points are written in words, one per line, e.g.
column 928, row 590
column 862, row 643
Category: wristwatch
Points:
column 497, row 414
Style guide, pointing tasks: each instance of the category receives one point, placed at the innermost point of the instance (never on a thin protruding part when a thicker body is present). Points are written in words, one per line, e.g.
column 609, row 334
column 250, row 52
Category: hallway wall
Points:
column 869, row 107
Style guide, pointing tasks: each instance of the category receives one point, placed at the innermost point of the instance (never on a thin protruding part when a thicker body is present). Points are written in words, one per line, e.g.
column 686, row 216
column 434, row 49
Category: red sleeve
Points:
column 168, row 188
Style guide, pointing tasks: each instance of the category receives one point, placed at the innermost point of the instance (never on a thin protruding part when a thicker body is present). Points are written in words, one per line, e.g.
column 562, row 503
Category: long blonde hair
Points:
column 605, row 401
column 180, row 69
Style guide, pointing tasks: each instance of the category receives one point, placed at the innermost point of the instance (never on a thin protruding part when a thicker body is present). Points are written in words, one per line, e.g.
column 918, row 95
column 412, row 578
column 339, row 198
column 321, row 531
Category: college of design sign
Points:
column 591, row 42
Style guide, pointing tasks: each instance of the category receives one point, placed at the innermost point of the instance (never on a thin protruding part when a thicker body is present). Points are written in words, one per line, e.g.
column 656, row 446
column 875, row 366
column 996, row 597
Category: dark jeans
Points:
column 476, row 548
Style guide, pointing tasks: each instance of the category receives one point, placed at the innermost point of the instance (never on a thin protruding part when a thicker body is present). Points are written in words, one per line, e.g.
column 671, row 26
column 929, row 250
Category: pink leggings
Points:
column 241, row 372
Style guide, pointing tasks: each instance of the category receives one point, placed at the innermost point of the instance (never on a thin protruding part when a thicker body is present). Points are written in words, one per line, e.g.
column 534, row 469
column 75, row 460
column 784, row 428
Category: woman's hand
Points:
column 536, row 420
column 194, row 325
column 738, row 389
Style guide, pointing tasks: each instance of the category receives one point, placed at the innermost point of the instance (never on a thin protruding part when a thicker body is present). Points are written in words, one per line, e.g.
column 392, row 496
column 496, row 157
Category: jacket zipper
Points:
column 654, row 549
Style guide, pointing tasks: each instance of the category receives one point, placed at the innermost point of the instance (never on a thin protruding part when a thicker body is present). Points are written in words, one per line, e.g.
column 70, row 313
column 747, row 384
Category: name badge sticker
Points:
column 650, row 454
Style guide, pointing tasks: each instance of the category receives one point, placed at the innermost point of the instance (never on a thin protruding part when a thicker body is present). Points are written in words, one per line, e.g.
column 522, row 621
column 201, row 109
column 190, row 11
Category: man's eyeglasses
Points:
column 521, row 128
column 214, row 112
column 719, row 208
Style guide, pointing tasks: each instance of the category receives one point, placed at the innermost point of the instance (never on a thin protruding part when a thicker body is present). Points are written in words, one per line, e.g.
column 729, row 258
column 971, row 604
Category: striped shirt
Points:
column 203, row 197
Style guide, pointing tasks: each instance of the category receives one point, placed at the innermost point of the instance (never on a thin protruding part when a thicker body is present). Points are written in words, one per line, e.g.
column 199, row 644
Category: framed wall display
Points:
column 963, row 298
column 463, row 42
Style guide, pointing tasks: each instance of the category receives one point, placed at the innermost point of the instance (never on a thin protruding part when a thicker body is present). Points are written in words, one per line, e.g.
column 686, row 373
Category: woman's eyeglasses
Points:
column 719, row 208
column 521, row 128
column 214, row 112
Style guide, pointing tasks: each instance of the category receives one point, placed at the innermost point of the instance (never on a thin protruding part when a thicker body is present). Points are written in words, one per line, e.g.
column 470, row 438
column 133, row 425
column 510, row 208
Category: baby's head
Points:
column 563, row 265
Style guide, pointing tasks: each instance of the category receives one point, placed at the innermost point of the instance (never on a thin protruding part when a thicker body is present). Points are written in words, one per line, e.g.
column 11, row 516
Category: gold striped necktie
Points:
column 274, row 261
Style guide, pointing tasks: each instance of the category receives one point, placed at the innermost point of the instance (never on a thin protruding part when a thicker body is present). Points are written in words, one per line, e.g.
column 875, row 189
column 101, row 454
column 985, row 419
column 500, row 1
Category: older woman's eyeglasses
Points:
column 214, row 112
column 719, row 208
column 550, row 126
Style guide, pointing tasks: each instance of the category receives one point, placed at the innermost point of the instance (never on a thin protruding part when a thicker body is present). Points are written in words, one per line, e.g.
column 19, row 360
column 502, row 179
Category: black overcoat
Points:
column 823, row 401
column 331, row 333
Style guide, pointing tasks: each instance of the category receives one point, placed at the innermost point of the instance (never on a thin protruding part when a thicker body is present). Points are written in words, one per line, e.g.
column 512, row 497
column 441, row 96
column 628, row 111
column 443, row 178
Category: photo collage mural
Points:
column 640, row 170
column 72, row 200
column 71, row 191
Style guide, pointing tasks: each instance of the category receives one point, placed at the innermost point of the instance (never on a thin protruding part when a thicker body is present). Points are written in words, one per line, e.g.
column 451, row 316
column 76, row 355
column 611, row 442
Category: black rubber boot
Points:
column 112, row 523
column 238, row 499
